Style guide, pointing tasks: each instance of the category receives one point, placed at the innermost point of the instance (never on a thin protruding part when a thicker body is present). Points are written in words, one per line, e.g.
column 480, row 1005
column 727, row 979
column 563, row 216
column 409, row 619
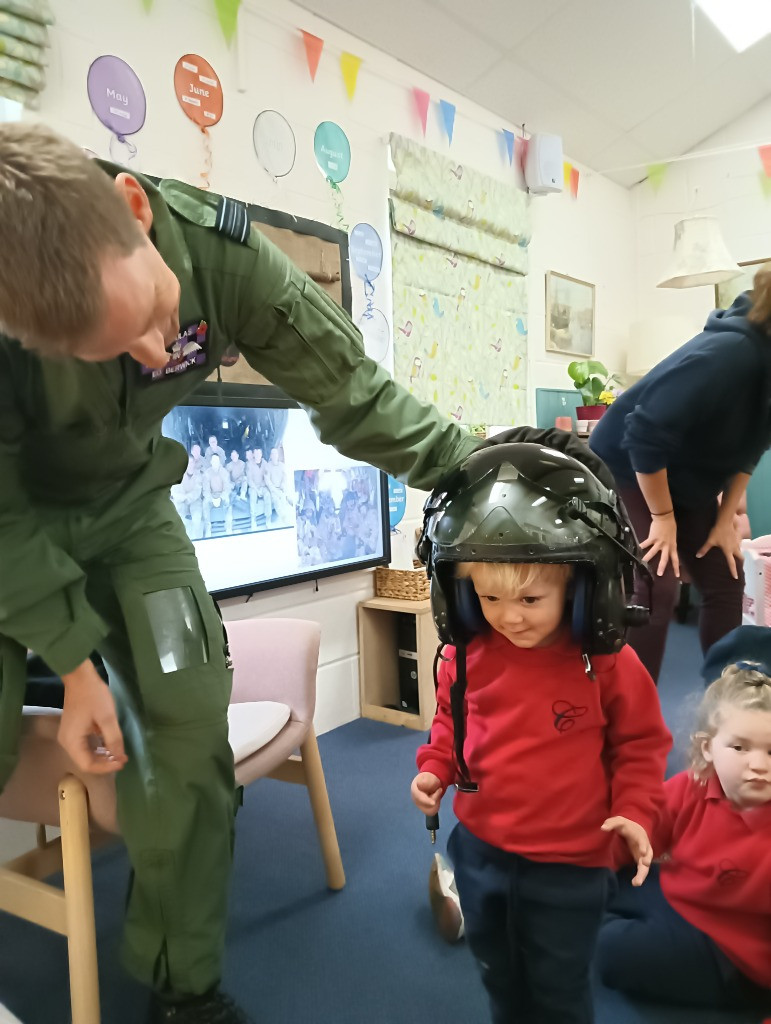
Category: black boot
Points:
column 213, row 1008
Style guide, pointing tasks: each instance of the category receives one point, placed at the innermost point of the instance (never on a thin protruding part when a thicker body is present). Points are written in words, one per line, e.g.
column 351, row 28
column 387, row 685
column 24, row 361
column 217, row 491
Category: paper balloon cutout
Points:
column 365, row 251
column 397, row 502
column 198, row 90
column 274, row 143
column 376, row 334
column 333, row 151
column 116, row 96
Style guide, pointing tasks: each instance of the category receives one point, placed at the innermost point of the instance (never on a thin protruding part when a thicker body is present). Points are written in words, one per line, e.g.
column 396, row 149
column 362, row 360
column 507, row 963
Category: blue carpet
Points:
column 296, row 952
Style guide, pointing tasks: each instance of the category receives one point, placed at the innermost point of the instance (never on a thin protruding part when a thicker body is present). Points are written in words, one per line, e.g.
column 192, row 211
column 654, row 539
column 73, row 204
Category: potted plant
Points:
column 596, row 385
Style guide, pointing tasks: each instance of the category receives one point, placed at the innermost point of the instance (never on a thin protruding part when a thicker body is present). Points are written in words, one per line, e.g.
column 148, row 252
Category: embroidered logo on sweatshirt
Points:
column 729, row 874
column 565, row 714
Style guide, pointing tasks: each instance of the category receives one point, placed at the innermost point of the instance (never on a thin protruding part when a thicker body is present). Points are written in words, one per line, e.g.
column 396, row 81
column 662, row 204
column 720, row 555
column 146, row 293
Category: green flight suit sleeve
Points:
column 294, row 333
column 42, row 590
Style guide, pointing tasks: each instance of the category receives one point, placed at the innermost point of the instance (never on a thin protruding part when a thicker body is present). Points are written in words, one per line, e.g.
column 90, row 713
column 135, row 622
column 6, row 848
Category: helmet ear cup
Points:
column 455, row 607
column 583, row 600
column 468, row 610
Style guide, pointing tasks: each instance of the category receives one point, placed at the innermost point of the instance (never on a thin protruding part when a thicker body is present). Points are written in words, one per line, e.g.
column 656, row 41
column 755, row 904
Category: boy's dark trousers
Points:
column 646, row 949
column 532, row 928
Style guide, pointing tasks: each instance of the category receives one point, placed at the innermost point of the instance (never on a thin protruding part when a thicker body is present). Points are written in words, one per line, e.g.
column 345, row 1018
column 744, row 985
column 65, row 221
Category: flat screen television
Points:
column 266, row 503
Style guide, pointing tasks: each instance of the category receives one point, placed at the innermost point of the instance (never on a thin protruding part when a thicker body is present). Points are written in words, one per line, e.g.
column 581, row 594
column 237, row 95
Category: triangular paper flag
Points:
column 509, row 137
column 566, row 172
column 448, row 116
column 765, row 156
column 313, row 48
column 520, row 151
column 765, row 184
column 349, row 65
column 227, row 12
column 422, row 100
column 656, row 174
column 147, row 4
column 574, row 182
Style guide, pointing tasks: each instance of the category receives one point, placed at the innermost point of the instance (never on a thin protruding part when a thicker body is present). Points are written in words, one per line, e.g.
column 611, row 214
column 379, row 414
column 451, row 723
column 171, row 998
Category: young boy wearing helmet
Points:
column 547, row 722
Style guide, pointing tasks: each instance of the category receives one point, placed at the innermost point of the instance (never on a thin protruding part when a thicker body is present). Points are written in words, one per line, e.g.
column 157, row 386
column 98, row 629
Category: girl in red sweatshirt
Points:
column 699, row 933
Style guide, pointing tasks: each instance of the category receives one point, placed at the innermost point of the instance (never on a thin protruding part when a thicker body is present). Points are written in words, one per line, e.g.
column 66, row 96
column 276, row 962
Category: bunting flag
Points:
column 147, row 4
column 349, row 65
column 422, row 100
column 567, row 170
column 313, row 48
column 765, row 156
column 656, row 174
column 520, row 151
column 509, row 140
column 765, row 184
column 227, row 12
column 448, row 117
column 574, row 176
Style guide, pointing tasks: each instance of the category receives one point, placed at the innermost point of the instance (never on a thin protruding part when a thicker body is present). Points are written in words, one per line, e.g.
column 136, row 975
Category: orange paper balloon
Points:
column 198, row 90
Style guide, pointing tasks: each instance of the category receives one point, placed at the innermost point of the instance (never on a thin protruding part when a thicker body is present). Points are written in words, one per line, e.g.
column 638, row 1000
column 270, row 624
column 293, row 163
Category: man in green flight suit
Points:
column 116, row 299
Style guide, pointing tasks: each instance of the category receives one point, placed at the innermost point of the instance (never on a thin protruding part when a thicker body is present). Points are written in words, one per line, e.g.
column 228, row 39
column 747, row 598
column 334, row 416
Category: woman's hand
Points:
column 724, row 535
column 662, row 540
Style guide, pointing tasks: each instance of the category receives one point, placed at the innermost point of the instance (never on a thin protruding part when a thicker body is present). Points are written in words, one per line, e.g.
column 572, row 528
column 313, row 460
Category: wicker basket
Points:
column 404, row 584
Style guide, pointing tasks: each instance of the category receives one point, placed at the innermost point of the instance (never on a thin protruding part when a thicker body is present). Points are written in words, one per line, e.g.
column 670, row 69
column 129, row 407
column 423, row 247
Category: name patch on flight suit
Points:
column 189, row 349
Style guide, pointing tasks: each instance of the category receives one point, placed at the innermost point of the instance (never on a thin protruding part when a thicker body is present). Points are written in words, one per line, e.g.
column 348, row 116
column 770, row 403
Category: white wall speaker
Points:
column 543, row 164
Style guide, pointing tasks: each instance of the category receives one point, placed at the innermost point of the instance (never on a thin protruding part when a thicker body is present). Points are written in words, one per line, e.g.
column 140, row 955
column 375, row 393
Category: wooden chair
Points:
column 271, row 732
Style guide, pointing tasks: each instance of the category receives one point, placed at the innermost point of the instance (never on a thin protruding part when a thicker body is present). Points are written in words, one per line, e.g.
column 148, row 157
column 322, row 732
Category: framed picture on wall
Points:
column 569, row 315
column 726, row 292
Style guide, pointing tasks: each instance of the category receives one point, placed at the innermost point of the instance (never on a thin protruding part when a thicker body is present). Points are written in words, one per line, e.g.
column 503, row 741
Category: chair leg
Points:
column 79, row 902
column 322, row 812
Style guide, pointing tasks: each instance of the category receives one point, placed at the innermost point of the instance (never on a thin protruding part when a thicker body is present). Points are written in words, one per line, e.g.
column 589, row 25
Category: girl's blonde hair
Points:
column 744, row 686
column 760, row 314
column 512, row 577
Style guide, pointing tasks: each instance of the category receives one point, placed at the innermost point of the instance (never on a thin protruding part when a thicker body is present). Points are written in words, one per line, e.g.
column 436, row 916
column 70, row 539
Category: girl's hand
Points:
column 724, row 535
column 636, row 838
column 426, row 793
column 662, row 540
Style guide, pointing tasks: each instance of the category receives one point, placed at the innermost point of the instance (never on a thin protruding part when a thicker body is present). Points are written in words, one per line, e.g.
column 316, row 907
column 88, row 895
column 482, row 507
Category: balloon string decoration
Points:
column 369, row 293
column 118, row 158
column 337, row 199
column 208, row 160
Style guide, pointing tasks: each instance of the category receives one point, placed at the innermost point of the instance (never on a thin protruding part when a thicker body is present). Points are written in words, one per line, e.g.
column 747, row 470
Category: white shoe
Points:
column 444, row 899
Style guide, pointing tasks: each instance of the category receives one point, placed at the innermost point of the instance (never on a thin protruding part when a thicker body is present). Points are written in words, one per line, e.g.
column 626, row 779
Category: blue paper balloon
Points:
column 365, row 251
column 397, row 502
column 333, row 151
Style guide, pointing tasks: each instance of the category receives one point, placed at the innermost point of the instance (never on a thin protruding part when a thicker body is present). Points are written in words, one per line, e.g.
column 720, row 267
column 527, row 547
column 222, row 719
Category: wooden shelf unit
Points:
column 379, row 661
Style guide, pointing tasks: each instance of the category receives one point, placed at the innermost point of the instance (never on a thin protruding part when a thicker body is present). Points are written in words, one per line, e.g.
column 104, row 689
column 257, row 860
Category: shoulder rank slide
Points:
column 232, row 219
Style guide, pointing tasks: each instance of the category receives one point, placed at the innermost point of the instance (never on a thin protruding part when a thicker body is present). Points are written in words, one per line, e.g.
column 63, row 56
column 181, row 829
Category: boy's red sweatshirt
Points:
column 718, row 876
column 554, row 752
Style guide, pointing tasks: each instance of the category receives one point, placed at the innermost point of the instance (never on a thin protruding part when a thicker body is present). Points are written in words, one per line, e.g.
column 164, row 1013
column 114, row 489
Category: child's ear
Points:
column 706, row 749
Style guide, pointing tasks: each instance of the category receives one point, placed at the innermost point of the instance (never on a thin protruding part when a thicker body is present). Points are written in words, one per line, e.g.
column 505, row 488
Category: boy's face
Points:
column 531, row 617
column 740, row 753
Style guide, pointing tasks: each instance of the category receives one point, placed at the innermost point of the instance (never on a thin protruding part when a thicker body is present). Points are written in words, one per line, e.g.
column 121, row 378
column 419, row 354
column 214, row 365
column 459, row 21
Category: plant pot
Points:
column 588, row 416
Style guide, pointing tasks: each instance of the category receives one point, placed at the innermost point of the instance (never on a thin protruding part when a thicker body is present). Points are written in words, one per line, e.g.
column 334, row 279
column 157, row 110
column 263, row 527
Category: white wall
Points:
column 726, row 187
column 591, row 238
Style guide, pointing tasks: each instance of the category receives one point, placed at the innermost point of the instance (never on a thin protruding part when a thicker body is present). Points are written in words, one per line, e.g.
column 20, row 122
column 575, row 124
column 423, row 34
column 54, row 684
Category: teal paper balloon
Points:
column 333, row 151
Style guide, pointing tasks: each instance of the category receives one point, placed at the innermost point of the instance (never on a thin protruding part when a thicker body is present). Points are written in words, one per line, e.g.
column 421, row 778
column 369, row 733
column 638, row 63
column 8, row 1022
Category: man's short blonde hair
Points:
column 510, row 578
column 59, row 215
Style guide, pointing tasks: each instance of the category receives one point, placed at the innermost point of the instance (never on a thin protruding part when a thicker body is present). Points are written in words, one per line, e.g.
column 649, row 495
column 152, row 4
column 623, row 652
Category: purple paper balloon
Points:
column 116, row 95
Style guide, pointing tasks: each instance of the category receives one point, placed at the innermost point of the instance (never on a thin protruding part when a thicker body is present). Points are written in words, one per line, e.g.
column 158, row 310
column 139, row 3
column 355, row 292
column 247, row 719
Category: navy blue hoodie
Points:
column 703, row 414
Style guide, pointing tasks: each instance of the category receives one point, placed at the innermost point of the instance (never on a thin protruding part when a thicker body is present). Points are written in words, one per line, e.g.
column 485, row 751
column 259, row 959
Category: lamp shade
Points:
column 654, row 339
column 700, row 257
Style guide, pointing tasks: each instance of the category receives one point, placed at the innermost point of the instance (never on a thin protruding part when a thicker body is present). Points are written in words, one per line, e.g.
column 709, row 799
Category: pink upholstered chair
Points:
column 271, row 731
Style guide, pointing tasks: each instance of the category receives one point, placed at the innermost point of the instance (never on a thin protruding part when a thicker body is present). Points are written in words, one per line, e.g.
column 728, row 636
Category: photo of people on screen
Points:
column 230, row 486
column 337, row 514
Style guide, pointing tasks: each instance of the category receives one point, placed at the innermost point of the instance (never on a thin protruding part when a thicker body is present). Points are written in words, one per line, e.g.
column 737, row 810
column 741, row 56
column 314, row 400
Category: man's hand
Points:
column 427, row 792
column 636, row 838
column 89, row 729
